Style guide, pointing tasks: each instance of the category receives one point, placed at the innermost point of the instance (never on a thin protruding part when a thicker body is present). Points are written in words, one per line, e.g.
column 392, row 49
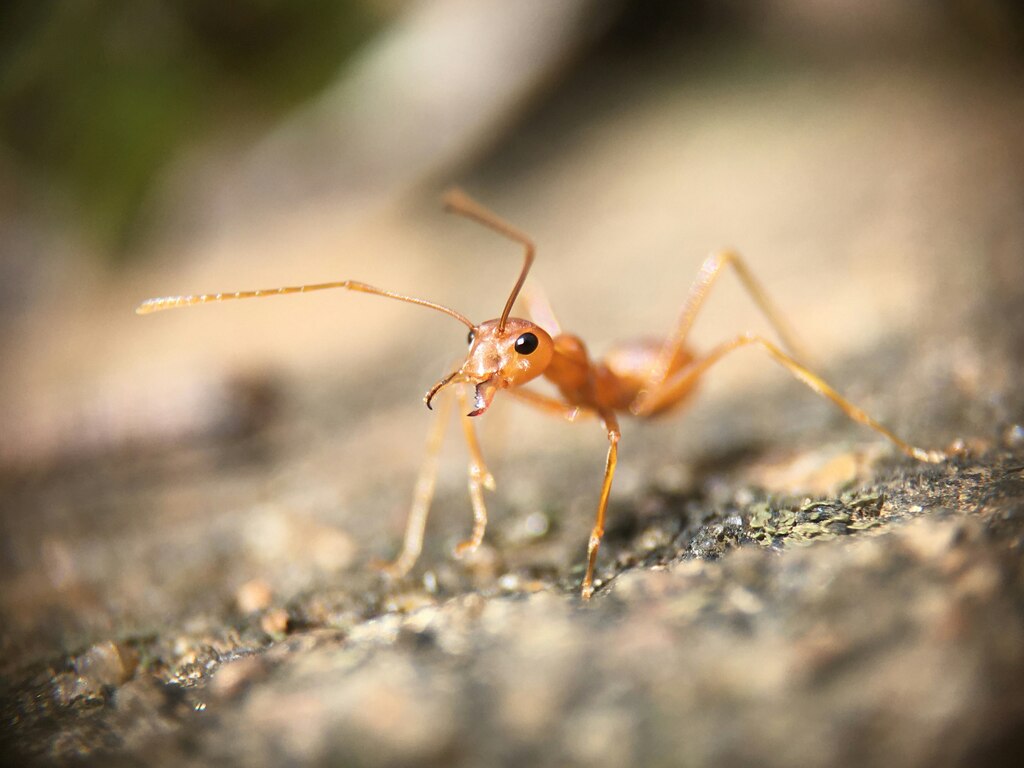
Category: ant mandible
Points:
column 642, row 379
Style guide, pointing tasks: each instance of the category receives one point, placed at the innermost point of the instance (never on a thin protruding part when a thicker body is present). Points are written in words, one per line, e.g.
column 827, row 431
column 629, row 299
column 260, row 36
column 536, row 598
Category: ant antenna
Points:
column 458, row 202
column 173, row 302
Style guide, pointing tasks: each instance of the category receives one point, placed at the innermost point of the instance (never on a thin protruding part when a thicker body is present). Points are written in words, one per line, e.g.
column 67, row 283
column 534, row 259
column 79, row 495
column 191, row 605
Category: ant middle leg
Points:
column 611, row 425
column 571, row 412
column 684, row 379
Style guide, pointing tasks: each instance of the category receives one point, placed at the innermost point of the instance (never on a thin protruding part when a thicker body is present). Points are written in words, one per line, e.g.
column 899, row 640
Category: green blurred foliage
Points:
column 98, row 95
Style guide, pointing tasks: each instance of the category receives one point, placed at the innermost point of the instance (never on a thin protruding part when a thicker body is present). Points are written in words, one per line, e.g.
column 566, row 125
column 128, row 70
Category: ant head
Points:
column 500, row 357
column 505, row 352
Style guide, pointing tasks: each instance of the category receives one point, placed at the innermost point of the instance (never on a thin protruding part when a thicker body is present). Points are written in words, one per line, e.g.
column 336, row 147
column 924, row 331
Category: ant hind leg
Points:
column 685, row 378
column 706, row 276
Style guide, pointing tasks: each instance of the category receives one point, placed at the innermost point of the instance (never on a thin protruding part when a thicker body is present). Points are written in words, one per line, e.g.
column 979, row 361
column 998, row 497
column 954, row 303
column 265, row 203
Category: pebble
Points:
column 106, row 663
column 236, row 676
column 1013, row 437
column 275, row 622
column 254, row 595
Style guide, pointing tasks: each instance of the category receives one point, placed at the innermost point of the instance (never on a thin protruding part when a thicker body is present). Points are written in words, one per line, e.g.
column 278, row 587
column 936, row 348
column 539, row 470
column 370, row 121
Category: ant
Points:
column 643, row 379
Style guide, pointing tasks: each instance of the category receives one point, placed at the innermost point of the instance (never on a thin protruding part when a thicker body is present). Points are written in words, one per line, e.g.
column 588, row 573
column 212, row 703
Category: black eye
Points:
column 469, row 339
column 526, row 343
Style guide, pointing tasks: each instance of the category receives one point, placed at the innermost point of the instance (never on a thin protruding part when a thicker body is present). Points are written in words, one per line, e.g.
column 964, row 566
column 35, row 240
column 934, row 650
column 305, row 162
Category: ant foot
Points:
column 932, row 457
column 393, row 570
column 467, row 547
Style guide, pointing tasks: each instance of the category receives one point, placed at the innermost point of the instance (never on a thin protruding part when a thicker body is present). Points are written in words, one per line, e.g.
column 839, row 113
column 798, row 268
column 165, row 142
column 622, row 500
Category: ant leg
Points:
column 551, row 405
column 709, row 271
column 412, row 544
column 538, row 309
column 686, row 377
column 611, row 424
column 479, row 478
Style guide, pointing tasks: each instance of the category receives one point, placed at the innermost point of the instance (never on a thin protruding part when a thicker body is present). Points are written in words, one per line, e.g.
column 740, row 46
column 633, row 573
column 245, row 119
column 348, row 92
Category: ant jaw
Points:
column 483, row 395
column 485, row 392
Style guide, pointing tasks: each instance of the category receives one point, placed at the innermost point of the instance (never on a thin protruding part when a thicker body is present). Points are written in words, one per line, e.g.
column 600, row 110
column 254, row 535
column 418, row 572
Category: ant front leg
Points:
column 611, row 425
column 423, row 494
column 479, row 478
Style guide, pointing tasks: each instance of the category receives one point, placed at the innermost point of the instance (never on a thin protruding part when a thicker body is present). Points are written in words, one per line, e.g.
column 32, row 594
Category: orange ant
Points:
column 642, row 379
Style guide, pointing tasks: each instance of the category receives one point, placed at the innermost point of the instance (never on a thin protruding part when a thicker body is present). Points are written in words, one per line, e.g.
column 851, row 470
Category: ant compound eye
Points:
column 470, row 337
column 526, row 344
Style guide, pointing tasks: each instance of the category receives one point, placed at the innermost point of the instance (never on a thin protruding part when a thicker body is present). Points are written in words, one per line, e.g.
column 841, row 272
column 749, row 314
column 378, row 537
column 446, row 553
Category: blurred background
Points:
column 866, row 157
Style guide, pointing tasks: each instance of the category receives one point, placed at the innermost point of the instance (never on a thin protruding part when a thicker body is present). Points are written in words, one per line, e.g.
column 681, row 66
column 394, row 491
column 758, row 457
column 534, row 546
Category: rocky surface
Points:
column 881, row 627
